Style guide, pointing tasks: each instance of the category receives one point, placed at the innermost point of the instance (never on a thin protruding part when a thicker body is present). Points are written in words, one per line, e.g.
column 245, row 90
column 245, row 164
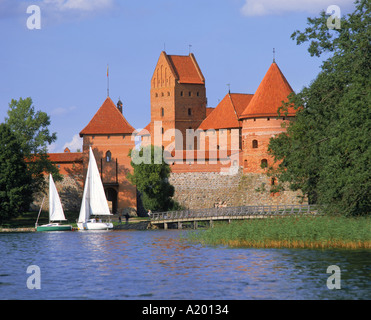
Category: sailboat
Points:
column 55, row 211
column 94, row 202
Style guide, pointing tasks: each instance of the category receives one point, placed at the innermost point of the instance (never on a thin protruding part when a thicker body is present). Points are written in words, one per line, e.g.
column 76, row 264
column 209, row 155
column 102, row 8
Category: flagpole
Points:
column 107, row 82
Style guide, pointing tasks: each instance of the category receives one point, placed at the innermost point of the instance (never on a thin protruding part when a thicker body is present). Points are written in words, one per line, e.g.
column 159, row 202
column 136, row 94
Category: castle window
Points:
column 168, row 93
column 254, row 119
column 245, row 164
column 198, row 94
column 162, row 130
column 108, row 156
column 189, row 111
column 255, row 144
column 189, row 93
column 268, row 119
column 181, row 93
column 162, row 94
column 264, row 163
column 162, row 112
column 156, row 95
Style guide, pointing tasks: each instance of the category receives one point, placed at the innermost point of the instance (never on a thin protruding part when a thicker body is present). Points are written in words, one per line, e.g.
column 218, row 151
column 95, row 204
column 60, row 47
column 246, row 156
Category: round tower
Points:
column 260, row 120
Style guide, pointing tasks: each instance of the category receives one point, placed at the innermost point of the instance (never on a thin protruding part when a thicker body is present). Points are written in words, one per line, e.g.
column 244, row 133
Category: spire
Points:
column 273, row 89
column 274, row 55
column 107, row 81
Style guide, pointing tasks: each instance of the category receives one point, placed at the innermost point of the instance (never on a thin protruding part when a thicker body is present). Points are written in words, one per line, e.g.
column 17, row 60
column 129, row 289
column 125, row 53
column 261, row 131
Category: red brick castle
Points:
column 233, row 135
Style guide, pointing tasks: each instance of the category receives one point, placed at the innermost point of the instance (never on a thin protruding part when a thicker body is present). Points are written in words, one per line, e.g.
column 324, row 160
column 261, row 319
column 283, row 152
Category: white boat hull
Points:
column 94, row 225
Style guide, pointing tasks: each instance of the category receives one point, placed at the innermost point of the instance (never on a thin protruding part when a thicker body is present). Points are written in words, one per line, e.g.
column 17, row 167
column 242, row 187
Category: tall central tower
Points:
column 178, row 99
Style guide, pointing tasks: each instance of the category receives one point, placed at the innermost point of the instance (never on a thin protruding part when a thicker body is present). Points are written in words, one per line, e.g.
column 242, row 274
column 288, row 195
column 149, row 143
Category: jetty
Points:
column 164, row 219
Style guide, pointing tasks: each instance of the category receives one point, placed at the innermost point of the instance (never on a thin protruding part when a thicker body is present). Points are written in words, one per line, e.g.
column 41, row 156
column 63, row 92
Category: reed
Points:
column 290, row 232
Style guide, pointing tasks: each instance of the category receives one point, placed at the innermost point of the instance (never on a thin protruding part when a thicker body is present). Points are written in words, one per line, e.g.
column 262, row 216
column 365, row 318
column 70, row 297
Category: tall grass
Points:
column 290, row 232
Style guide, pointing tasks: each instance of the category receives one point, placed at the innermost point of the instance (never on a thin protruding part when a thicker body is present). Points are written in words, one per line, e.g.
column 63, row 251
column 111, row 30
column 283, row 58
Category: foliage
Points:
column 30, row 128
column 325, row 151
column 150, row 175
column 15, row 182
column 293, row 231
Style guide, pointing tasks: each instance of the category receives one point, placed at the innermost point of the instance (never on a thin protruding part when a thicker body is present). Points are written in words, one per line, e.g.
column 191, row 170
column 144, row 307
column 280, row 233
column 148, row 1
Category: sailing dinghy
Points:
column 55, row 211
column 94, row 202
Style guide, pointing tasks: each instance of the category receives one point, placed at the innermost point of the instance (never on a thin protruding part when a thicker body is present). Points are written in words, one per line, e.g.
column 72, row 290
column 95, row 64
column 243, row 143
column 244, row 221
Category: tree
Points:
column 325, row 151
column 151, row 178
column 15, row 182
column 31, row 131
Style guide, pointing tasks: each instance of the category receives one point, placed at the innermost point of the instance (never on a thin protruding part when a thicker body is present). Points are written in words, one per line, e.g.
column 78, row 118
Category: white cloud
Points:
column 274, row 7
column 80, row 5
column 75, row 144
column 52, row 147
column 61, row 111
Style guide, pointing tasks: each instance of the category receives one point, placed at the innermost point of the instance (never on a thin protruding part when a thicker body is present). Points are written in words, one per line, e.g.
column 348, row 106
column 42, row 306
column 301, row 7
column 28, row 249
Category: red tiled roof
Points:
column 145, row 131
column 65, row 157
column 186, row 69
column 273, row 89
column 208, row 111
column 108, row 120
column 226, row 114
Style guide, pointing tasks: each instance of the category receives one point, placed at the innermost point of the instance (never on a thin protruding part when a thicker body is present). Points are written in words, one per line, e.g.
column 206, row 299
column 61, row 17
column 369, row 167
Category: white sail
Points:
column 94, row 200
column 55, row 207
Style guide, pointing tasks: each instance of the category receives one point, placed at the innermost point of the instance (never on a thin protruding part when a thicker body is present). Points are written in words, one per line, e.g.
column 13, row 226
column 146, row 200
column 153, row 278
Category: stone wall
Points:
column 213, row 189
column 70, row 191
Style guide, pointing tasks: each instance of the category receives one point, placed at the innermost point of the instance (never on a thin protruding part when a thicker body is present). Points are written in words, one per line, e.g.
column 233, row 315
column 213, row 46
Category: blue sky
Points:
column 63, row 65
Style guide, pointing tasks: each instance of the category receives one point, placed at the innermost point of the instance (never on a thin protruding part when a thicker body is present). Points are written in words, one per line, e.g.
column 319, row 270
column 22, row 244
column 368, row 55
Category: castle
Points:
column 203, row 144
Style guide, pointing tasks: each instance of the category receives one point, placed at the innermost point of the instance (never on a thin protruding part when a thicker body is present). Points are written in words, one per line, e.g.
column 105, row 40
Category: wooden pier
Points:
column 228, row 214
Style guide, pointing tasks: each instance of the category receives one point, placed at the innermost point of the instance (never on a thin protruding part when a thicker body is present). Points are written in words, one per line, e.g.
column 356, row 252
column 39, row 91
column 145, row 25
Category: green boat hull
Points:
column 54, row 228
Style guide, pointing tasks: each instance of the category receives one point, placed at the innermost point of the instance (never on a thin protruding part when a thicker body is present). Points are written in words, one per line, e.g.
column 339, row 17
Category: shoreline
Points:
column 296, row 244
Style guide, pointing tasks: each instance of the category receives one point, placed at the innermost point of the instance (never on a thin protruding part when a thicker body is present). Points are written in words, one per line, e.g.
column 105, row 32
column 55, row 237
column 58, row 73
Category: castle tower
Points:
column 110, row 136
column 178, row 99
column 260, row 119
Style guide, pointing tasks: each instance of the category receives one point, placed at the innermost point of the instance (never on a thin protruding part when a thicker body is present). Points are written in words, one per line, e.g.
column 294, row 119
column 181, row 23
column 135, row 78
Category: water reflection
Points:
column 160, row 265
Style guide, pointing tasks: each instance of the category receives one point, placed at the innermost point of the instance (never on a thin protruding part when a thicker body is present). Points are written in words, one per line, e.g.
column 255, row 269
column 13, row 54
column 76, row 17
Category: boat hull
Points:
column 94, row 225
column 54, row 227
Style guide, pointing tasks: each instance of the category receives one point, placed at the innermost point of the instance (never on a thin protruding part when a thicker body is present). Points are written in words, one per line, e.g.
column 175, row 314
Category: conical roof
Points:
column 227, row 112
column 108, row 120
column 273, row 89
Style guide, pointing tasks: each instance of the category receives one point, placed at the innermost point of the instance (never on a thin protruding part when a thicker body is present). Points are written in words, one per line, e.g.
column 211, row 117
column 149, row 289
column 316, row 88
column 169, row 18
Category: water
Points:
column 160, row 265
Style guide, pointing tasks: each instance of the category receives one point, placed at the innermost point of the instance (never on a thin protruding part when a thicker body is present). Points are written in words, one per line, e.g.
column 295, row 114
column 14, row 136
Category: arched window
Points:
column 108, row 156
column 264, row 163
column 255, row 144
column 162, row 112
column 245, row 163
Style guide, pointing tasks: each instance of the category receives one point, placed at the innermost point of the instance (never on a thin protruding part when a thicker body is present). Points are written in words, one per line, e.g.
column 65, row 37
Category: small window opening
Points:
column 108, row 156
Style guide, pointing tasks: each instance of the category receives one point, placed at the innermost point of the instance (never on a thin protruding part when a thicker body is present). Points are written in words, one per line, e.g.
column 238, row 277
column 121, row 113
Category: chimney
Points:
column 119, row 105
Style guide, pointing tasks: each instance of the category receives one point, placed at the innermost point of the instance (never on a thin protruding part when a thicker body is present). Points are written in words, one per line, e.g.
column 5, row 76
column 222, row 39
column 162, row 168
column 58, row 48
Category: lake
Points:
column 160, row 264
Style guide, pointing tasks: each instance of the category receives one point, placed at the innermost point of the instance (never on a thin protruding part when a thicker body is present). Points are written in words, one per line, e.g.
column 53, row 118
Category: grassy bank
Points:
column 290, row 232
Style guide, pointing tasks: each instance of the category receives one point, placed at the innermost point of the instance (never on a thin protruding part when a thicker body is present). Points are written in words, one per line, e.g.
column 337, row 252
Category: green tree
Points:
column 30, row 128
column 151, row 174
column 15, row 182
column 325, row 151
